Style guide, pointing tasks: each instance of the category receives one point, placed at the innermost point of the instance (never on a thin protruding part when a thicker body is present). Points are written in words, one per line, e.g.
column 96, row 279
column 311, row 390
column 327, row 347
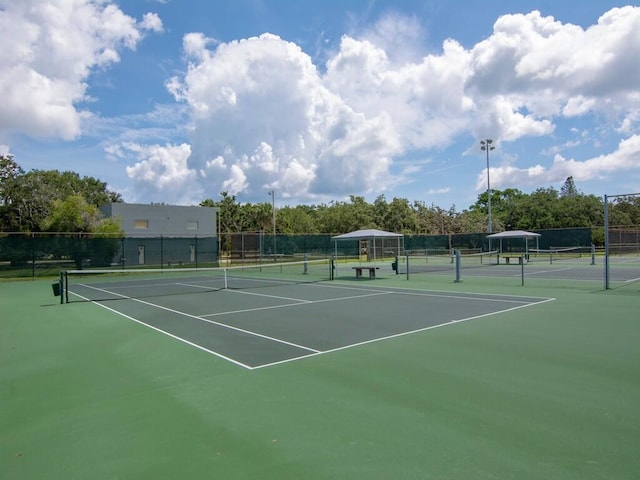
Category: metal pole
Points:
column 606, row 242
column 273, row 209
column 219, row 239
column 487, row 145
column 489, row 194
column 406, row 262
column 61, row 287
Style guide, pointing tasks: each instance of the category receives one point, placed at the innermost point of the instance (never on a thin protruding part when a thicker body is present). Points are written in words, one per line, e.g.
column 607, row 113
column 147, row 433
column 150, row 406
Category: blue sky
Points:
column 176, row 101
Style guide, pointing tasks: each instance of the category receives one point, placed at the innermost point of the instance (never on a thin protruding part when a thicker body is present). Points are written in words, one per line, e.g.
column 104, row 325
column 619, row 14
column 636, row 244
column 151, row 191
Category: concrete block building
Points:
column 168, row 235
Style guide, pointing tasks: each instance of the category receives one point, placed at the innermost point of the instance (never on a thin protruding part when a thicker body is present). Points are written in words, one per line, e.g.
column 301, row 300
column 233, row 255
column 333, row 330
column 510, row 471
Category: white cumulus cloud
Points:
column 47, row 51
column 261, row 106
column 625, row 157
column 161, row 173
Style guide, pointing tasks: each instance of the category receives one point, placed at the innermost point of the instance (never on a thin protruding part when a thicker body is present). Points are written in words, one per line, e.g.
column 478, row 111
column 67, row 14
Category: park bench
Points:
column 372, row 271
column 508, row 257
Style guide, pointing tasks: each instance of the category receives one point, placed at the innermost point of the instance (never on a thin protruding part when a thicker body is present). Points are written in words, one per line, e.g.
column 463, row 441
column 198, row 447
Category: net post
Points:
column 457, row 257
column 226, row 285
column 407, row 264
column 61, row 287
column 606, row 242
column 66, row 287
column 593, row 254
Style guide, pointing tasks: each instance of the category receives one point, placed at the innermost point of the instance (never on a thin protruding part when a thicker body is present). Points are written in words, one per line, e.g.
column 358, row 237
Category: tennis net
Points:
column 101, row 285
column 557, row 254
column 410, row 264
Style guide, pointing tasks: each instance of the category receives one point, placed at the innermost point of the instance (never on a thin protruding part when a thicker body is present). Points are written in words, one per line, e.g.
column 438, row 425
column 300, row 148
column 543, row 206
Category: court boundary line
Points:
column 374, row 291
column 401, row 334
column 213, row 322
column 164, row 332
column 434, row 292
column 300, row 303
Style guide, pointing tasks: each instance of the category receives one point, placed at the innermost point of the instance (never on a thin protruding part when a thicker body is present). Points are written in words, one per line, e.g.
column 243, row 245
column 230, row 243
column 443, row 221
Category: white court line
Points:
column 401, row 334
column 444, row 293
column 164, row 332
column 306, row 302
column 315, row 352
column 244, row 292
column 188, row 315
column 554, row 270
column 464, row 297
column 201, row 287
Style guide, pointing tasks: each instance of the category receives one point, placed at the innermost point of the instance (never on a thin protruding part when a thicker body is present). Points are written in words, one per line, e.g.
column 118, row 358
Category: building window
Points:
column 141, row 224
column 192, row 225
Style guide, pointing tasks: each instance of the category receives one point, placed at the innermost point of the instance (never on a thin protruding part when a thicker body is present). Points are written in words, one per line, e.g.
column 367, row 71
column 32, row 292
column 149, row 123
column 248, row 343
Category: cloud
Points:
column 624, row 158
column 438, row 191
column 47, row 52
column 398, row 35
column 425, row 101
column 161, row 173
column 261, row 116
column 151, row 21
column 541, row 69
column 261, row 108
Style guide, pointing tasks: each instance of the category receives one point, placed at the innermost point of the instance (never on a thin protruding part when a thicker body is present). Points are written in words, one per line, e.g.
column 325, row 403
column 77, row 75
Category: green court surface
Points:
column 383, row 378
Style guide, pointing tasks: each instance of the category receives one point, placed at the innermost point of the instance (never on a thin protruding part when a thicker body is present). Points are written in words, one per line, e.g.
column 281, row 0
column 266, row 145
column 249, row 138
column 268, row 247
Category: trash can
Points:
column 56, row 289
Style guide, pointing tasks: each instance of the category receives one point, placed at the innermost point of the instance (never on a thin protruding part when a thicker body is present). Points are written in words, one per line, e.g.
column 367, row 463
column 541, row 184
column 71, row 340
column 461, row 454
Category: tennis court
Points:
column 562, row 267
column 292, row 374
column 267, row 318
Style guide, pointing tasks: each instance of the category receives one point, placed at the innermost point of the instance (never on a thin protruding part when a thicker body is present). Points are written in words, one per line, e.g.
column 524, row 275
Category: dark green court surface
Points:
column 425, row 378
column 270, row 325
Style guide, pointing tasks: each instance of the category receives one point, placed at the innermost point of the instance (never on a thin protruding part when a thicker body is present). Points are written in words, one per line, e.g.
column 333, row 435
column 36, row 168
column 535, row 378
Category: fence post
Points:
column 457, row 254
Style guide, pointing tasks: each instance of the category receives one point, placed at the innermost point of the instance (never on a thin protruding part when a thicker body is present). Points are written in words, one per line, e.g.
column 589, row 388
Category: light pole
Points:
column 487, row 145
column 273, row 210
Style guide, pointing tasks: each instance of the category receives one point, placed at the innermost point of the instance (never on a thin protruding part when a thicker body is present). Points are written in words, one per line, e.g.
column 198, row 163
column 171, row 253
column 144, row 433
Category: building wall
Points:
column 165, row 234
column 163, row 220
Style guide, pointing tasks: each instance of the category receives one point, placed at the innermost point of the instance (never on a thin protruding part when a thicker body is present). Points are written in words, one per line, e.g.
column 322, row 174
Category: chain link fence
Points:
column 34, row 255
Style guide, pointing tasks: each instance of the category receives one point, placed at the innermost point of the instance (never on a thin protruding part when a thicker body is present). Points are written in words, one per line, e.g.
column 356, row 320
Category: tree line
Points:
column 54, row 201
column 511, row 209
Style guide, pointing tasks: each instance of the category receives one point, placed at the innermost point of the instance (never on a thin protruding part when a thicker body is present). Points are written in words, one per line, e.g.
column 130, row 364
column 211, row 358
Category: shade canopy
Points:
column 366, row 234
column 514, row 234
column 373, row 244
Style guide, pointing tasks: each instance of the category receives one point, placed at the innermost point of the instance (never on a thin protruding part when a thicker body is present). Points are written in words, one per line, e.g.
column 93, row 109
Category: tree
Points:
column 73, row 214
column 569, row 188
column 101, row 236
column 31, row 203
column 577, row 210
column 26, row 199
column 400, row 217
column 625, row 211
column 231, row 217
column 298, row 219
column 10, row 172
